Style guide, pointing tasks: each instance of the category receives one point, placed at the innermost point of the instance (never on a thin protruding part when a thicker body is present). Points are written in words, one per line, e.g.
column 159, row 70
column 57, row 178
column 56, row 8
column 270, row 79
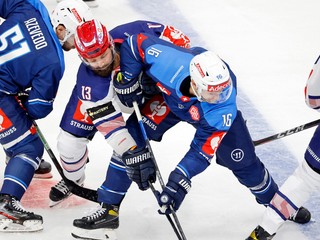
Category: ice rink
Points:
column 271, row 46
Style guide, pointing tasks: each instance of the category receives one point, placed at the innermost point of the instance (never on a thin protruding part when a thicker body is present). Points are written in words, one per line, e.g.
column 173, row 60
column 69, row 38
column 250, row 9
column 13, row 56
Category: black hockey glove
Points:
column 128, row 92
column 140, row 167
column 22, row 97
column 175, row 191
column 149, row 86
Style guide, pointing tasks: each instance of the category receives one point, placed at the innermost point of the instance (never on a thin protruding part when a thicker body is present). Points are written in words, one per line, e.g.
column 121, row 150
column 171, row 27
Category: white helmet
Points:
column 70, row 13
column 210, row 77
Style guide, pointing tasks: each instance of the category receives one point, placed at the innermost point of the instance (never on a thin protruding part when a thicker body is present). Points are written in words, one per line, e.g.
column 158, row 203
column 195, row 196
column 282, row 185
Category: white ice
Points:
column 271, row 46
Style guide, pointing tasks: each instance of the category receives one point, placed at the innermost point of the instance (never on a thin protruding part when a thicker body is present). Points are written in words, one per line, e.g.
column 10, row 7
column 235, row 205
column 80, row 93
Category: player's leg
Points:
column 296, row 190
column 237, row 153
column 158, row 119
column 76, row 131
column 110, row 195
column 240, row 157
column 25, row 149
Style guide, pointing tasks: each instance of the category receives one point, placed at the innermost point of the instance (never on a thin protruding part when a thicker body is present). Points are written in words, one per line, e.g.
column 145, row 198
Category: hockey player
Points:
column 28, row 40
column 199, row 88
column 27, row 93
column 297, row 189
column 93, row 94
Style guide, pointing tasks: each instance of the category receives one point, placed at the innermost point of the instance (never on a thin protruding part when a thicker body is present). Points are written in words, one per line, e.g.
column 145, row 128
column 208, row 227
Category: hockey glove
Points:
column 22, row 97
column 128, row 92
column 175, row 191
column 149, row 86
column 140, row 167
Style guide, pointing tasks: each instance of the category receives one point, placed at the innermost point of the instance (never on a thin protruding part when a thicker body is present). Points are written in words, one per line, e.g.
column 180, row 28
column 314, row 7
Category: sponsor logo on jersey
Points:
column 212, row 143
column 175, row 36
column 194, row 113
column 6, row 126
column 156, row 110
column 5, row 122
column 163, row 89
column 81, row 114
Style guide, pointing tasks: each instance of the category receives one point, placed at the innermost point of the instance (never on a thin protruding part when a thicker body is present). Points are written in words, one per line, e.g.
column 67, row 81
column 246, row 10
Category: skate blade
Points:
column 53, row 203
column 95, row 234
column 43, row 175
column 7, row 225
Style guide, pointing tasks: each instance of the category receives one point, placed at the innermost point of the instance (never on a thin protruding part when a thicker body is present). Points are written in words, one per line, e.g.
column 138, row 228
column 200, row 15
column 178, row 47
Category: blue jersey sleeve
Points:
column 131, row 64
column 122, row 32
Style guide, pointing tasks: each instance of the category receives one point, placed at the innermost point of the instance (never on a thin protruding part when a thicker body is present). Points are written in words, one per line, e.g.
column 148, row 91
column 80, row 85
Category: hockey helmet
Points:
column 210, row 78
column 92, row 41
column 70, row 14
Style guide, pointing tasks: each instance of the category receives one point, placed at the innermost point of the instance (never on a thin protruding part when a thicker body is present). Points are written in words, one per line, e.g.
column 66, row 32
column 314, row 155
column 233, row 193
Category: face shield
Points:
column 213, row 93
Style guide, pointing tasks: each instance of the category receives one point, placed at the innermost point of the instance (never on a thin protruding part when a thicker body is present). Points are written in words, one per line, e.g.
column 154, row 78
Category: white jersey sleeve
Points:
column 107, row 117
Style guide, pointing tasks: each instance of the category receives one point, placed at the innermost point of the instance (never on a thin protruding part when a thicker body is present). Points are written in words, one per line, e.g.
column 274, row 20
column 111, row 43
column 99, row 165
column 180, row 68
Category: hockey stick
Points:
column 180, row 234
column 287, row 132
column 86, row 193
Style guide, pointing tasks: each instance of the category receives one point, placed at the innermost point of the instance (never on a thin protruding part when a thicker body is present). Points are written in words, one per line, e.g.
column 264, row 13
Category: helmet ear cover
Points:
column 210, row 76
column 70, row 14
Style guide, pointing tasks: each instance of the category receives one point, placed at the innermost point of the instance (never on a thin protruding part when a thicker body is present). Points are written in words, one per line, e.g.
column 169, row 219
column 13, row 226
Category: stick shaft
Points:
column 287, row 132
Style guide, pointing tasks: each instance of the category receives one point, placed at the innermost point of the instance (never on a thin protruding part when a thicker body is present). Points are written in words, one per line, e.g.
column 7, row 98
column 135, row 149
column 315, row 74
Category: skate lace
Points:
column 97, row 214
column 62, row 187
column 17, row 206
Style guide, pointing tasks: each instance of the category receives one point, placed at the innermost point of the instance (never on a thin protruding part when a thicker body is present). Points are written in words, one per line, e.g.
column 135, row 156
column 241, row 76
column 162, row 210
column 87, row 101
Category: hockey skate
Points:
column 61, row 192
column 100, row 225
column 260, row 234
column 302, row 216
column 14, row 218
column 43, row 171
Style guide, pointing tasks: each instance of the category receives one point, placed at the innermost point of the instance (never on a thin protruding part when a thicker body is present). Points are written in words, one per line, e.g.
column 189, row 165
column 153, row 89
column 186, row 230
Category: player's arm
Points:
column 126, row 83
column 108, row 119
column 312, row 90
column 43, row 91
column 203, row 148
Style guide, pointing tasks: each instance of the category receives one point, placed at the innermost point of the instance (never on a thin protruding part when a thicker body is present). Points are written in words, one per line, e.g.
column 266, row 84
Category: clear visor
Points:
column 101, row 62
column 215, row 94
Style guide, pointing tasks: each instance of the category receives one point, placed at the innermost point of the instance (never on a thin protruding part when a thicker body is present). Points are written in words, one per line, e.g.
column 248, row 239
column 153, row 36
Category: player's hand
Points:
column 128, row 91
column 22, row 97
column 140, row 167
column 174, row 193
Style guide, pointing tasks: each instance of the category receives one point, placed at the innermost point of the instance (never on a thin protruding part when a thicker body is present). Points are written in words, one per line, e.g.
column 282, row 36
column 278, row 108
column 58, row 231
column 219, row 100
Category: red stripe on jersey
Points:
column 140, row 39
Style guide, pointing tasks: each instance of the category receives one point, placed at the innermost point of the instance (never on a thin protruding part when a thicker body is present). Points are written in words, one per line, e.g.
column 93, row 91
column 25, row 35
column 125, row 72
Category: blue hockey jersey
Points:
column 93, row 90
column 168, row 66
column 30, row 54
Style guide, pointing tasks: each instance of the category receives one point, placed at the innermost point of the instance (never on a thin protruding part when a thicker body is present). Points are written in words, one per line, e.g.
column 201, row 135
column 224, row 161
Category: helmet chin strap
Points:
column 194, row 91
